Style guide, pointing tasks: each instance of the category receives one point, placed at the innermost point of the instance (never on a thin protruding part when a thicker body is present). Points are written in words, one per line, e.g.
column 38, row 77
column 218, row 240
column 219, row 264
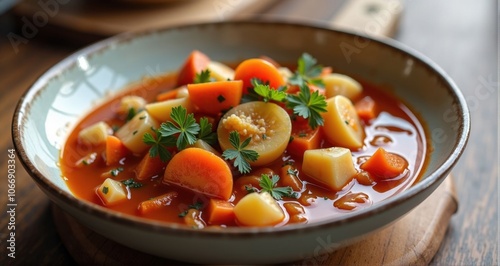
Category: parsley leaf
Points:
column 158, row 145
column 269, row 94
column 197, row 206
column 131, row 113
column 206, row 133
column 184, row 127
column 240, row 155
column 116, row 171
column 269, row 185
column 307, row 72
column 308, row 106
column 252, row 96
column 131, row 183
column 202, row 77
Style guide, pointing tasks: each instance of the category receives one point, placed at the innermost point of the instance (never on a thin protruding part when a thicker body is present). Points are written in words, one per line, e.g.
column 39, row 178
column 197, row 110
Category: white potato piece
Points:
column 338, row 84
column 332, row 167
column 220, row 72
column 132, row 132
column 285, row 72
column 130, row 102
column 342, row 125
column 95, row 134
column 111, row 192
column 182, row 92
column 258, row 209
column 205, row 146
column 161, row 110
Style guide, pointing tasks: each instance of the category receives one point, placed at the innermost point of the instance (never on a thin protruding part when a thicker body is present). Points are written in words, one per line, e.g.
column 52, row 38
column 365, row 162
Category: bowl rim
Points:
column 436, row 177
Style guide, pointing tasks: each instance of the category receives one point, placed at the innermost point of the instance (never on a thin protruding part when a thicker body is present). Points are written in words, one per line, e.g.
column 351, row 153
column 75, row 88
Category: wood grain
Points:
column 458, row 35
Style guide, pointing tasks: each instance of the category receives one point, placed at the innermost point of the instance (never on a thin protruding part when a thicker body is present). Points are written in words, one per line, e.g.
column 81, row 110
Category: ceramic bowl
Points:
column 57, row 100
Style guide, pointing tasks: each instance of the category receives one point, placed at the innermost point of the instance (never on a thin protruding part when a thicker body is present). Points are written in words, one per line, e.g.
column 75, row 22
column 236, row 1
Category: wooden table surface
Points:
column 460, row 36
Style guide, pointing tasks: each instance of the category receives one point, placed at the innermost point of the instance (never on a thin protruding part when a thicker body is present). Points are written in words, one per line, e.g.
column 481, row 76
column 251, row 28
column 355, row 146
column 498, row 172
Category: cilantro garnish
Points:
column 159, row 145
column 269, row 94
column 184, row 126
column 202, row 77
column 131, row 183
column 269, row 185
column 206, row 133
column 240, row 155
column 308, row 106
column 307, row 72
column 197, row 206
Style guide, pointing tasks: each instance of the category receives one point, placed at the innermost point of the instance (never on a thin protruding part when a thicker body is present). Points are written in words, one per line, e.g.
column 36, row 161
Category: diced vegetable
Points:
column 366, row 108
column 195, row 63
column 288, row 177
column 204, row 145
column 115, row 150
column 177, row 93
column 267, row 124
column 258, row 209
column 132, row 132
column 149, row 167
column 338, row 84
column 384, row 165
column 261, row 69
column 220, row 72
column 285, row 72
column 351, row 201
column 95, row 134
column 161, row 110
column 156, row 203
column 296, row 212
column 111, row 192
column 215, row 97
column 201, row 171
column 220, row 212
column 127, row 103
column 303, row 138
column 332, row 167
column 342, row 125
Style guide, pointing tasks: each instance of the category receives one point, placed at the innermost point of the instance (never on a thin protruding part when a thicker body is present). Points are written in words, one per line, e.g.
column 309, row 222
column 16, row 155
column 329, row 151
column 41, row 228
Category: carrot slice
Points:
column 288, row 177
column 258, row 68
column 149, row 167
column 156, row 203
column 201, row 171
column 214, row 97
column 303, row 138
column 384, row 165
column 168, row 95
column 195, row 63
column 220, row 212
column 115, row 150
column 366, row 108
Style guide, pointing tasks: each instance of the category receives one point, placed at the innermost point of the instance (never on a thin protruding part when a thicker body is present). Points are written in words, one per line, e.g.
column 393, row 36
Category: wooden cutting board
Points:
column 413, row 240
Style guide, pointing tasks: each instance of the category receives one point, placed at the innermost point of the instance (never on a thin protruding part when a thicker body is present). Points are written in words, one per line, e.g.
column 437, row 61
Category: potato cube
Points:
column 338, row 84
column 95, row 134
column 332, row 167
column 132, row 132
column 111, row 192
column 220, row 72
column 258, row 209
column 161, row 110
column 130, row 102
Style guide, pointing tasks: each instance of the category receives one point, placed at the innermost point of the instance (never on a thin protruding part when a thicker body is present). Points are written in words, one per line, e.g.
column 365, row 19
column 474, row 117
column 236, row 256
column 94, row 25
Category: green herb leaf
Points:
column 307, row 105
column 307, row 72
column 197, row 206
column 240, row 155
column 184, row 125
column 252, row 96
column 159, row 145
column 269, row 185
column 269, row 94
column 105, row 190
column 116, row 171
column 131, row 183
column 206, row 133
column 131, row 113
column 202, row 77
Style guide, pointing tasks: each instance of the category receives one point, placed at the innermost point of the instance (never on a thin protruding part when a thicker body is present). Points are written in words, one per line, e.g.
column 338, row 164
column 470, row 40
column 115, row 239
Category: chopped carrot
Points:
column 220, row 212
column 115, row 150
column 214, row 97
column 303, row 138
column 156, row 203
column 366, row 108
column 201, row 171
column 384, row 165
column 167, row 95
column 195, row 63
column 288, row 177
column 258, row 68
column 149, row 167
column 247, row 181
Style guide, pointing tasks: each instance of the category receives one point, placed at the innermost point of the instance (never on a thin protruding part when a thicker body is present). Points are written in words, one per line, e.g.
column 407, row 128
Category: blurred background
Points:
column 461, row 36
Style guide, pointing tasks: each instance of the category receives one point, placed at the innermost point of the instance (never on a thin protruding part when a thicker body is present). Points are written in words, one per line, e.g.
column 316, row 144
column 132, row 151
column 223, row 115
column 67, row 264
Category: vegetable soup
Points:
column 256, row 145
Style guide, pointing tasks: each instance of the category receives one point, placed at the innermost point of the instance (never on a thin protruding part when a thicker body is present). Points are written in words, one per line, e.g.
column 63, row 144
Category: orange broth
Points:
column 394, row 123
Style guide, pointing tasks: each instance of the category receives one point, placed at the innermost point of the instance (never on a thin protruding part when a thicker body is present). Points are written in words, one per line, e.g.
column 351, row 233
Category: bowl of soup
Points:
column 240, row 142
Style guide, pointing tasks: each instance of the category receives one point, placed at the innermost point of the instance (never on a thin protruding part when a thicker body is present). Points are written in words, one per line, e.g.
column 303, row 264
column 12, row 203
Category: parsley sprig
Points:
column 206, row 132
column 270, row 94
column 184, row 127
column 307, row 72
column 239, row 154
column 268, row 184
column 308, row 105
column 159, row 145
column 202, row 77
column 131, row 183
column 197, row 206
